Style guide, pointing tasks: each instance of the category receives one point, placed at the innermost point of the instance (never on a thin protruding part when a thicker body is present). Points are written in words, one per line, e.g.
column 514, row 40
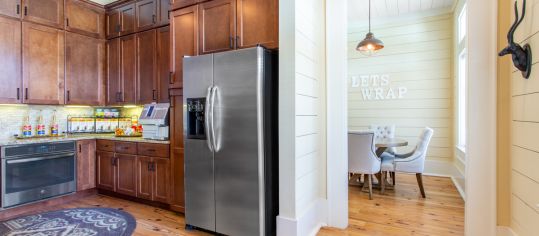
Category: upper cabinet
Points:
column 10, row 8
column 217, row 26
column 10, row 65
column 146, row 67
column 183, row 41
column 86, row 19
column 43, row 63
column 146, row 11
column 176, row 4
column 163, row 62
column 257, row 23
column 113, row 72
column 164, row 9
column 128, row 70
column 85, row 61
column 127, row 19
column 113, row 23
column 46, row 12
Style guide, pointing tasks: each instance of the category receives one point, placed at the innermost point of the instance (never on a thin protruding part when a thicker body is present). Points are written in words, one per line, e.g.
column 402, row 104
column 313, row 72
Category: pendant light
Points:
column 370, row 44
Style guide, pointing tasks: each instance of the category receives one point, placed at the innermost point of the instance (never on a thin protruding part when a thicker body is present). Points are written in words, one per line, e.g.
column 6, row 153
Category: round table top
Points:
column 390, row 142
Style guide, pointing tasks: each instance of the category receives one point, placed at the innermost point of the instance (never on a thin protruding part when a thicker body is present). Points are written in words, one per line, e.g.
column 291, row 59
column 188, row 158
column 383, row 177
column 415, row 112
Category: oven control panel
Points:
column 40, row 148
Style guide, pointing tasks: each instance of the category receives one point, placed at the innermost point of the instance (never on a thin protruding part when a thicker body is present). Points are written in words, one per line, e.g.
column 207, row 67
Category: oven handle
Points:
column 25, row 160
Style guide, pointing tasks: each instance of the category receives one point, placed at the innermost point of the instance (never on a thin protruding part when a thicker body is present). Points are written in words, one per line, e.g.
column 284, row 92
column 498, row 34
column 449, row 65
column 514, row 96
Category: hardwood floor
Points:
column 402, row 211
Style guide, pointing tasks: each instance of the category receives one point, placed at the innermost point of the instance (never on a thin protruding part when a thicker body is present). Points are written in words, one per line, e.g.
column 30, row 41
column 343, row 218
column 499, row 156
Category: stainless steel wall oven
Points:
column 37, row 171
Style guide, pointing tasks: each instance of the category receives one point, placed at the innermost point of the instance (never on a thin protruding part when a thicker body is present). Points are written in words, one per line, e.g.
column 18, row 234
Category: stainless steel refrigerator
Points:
column 230, row 131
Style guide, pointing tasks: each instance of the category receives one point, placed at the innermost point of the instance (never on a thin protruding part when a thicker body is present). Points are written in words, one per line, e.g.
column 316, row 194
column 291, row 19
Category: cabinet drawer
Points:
column 105, row 145
column 126, row 147
column 153, row 150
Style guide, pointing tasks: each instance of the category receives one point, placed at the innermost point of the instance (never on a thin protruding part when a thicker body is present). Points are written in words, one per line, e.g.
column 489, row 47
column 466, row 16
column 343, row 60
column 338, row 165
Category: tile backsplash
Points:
column 12, row 117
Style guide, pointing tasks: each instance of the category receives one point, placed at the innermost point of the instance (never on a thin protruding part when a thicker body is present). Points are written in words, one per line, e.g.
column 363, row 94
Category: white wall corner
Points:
column 505, row 231
column 308, row 224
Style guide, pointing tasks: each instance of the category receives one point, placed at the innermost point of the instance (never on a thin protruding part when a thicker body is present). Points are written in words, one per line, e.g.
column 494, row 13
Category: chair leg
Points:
column 419, row 177
column 383, row 183
column 370, row 186
column 392, row 177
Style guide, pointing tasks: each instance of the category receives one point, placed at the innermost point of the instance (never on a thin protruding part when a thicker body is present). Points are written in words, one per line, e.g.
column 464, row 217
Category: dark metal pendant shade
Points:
column 370, row 43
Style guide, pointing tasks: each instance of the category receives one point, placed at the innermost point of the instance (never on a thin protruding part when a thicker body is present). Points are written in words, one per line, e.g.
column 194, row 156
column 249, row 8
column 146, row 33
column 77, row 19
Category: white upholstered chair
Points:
column 384, row 131
column 413, row 162
column 362, row 157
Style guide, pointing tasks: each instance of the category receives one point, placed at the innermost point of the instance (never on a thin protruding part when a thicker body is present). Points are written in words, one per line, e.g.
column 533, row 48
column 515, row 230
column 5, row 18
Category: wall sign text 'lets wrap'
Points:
column 377, row 87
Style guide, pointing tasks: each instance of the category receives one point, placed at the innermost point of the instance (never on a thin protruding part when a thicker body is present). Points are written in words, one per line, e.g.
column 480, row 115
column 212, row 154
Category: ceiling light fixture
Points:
column 370, row 44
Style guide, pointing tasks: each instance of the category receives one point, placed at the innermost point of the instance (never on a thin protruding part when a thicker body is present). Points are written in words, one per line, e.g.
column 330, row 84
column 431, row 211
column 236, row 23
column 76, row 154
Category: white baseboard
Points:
column 308, row 224
column 505, row 231
column 441, row 168
column 460, row 187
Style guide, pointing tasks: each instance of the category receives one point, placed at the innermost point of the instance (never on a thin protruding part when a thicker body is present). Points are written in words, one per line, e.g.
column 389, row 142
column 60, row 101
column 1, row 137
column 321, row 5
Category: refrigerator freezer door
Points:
column 238, row 142
column 199, row 176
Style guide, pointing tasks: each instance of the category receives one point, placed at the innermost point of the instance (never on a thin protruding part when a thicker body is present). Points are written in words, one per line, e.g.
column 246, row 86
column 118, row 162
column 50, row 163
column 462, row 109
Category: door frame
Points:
column 480, row 206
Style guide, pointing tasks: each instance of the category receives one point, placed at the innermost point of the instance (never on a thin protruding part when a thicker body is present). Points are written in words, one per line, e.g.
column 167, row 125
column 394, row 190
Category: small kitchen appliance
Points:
column 154, row 121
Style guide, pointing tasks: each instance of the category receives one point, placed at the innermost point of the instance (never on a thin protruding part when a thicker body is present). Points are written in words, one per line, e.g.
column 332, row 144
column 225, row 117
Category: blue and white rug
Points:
column 72, row 222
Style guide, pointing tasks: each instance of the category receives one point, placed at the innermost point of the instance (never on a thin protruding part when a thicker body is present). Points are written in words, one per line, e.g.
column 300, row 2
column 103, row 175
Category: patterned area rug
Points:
column 72, row 222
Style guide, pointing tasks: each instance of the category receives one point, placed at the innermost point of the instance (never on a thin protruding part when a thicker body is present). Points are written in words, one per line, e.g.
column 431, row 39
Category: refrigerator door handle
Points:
column 207, row 118
column 214, row 137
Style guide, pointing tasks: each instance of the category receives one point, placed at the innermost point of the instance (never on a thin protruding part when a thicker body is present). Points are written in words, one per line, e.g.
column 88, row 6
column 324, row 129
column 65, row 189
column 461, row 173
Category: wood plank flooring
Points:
column 402, row 211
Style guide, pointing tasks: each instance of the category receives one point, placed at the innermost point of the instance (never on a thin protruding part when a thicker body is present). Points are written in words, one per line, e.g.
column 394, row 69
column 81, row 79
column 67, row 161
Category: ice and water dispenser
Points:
column 196, row 118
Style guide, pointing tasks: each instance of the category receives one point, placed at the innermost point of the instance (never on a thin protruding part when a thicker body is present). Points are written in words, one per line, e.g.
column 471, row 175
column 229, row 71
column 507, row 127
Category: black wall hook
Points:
column 522, row 56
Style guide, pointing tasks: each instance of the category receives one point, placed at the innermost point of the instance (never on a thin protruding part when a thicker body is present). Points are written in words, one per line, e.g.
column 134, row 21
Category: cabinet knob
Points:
column 25, row 10
column 18, row 9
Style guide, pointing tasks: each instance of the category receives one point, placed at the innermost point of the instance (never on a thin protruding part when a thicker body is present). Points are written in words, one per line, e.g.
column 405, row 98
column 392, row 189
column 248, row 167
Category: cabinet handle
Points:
column 26, row 93
column 80, row 148
column 151, row 150
column 149, row 166
column 18, row 94
column 170, row 77
column 117, row 28
column 154, row 19
column 231, row 42
column 68, row 95
column 153, row 166
column 112, row 162
column 18, row 9
column 237, row 42
column 153, row 95
column 67, row 22
column 25, row 10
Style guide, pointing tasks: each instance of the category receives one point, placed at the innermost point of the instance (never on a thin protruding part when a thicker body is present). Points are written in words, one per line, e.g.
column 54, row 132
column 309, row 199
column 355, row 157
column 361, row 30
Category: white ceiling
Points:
column 103, row 2
column 358, row 10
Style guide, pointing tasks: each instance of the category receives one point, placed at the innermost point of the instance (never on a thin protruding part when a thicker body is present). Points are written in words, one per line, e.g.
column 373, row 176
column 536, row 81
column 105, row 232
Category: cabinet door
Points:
column 164, row 10
column 86, row 164
column 113, row 72
column 128, row 70
column 217, row 26
column 177, row 4
column 126, row 174
column 146, row 67
column 144, row 177
column 146, row 14
column 113, row 23
column 85, row 61
column 163, row 62
column 43, row 63
column 177, row 198
column 161, row 179
column 47, row 12
column 10, row 8
column 127, row 19
column 257, row 23
column 10, row 65
column 85, row 19
column 184, row 41
column 106, row 171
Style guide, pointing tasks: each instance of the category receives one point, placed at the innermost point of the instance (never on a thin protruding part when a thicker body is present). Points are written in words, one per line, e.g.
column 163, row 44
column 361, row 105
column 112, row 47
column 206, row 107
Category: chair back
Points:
column 383, row 131
column 361, row 153
column 417, row 162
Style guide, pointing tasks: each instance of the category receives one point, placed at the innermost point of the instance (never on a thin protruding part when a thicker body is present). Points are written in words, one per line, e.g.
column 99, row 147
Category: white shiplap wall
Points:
column 418, row 56
column 525, row 128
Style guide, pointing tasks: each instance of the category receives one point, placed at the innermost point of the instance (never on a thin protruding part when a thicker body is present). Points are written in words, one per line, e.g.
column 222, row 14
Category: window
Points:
column 461, row 79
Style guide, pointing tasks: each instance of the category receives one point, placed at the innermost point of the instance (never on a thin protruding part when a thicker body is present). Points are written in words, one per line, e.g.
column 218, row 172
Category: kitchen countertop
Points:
column 76, row 137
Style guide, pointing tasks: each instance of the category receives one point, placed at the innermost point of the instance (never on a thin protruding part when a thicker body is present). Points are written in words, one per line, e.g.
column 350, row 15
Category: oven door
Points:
column 32, row 178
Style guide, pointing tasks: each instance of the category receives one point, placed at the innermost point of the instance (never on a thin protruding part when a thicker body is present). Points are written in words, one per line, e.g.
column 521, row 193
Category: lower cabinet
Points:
column 86, row 161
column 153, row 178
column 126, row 174
column 106, row 170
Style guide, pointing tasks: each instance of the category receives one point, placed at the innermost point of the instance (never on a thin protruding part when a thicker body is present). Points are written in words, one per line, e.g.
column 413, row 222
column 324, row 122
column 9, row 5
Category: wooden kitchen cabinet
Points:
column 163, row 62
column 113, row 72
column 106, row 170
column 86, row 164
column 183, row 41
column 10, row 65
column 146, row 67
column 84, row 18
column 177, row 196
column 177, row 4
column 217, row 21
column 127, row 19
column 128, row 70
column 46, row 12
column 153, row 178
column 43, row 64
column 257, row 23
column 10, row 8
column 146, row 11
column 113, row 23
column 164, row 9
column 85, row 62
column 126, row 174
